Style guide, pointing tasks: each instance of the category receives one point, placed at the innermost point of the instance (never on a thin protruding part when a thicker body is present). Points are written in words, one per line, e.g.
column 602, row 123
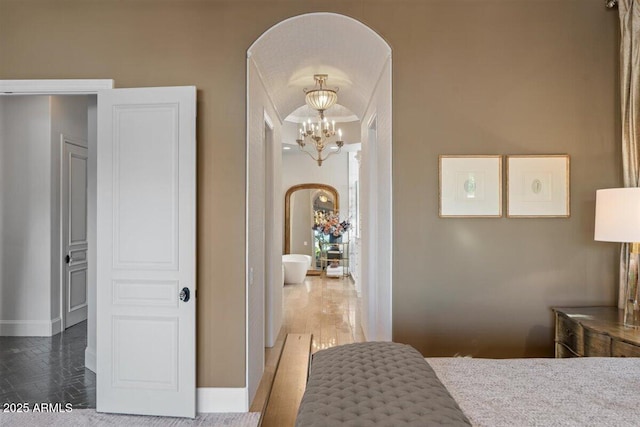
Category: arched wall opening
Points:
column 279, row 64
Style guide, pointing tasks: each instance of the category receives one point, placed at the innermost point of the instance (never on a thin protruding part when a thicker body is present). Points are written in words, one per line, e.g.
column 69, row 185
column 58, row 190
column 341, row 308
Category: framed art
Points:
column 538, row 186
column 470, row 186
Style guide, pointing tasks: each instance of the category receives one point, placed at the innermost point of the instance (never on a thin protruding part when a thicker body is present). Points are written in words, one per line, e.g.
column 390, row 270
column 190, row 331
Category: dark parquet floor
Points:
column 39, row 370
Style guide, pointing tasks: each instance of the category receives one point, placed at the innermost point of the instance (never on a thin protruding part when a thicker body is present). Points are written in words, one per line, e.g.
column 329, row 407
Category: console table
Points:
column 594, row 332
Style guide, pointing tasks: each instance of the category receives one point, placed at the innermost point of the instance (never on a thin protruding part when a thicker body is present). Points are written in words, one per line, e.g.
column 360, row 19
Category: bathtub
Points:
column 295, row 267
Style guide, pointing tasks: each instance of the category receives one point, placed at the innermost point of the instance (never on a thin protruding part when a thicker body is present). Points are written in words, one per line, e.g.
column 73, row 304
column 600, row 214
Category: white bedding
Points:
column 544, row 392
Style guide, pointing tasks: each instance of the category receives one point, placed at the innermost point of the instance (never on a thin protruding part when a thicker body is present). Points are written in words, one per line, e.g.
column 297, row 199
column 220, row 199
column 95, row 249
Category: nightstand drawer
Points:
column 596, row 345
column 569, row 334
column 562, row 351
column 623, row 349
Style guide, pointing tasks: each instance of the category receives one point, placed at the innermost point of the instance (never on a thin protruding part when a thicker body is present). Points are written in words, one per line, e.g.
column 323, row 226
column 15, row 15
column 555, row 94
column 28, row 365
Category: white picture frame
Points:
column 470, row 186
column 538, row 186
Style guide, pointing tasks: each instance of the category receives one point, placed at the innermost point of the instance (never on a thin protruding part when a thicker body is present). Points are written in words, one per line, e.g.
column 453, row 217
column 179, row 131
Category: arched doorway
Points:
column 279, row 64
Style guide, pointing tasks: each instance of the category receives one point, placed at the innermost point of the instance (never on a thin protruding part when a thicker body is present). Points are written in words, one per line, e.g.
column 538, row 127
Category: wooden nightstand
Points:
column 594, row 332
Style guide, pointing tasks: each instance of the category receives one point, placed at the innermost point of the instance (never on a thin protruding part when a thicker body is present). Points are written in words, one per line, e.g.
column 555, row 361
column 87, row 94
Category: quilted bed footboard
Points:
column 375, row 384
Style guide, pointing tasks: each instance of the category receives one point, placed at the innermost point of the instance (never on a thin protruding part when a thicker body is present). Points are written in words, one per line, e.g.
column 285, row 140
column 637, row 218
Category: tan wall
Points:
column 484, row 76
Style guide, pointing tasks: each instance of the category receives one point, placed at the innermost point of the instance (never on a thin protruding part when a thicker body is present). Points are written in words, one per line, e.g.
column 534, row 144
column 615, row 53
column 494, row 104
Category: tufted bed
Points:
column 375, row 384
column 389, row 384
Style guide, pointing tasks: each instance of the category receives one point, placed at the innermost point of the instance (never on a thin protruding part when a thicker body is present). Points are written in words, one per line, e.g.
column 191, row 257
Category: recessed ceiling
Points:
column 351, row 54
column 338, row 112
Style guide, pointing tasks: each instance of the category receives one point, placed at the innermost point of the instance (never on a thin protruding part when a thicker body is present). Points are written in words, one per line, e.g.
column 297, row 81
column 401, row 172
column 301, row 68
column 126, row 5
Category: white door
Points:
column 146, row 251
column 74, row 231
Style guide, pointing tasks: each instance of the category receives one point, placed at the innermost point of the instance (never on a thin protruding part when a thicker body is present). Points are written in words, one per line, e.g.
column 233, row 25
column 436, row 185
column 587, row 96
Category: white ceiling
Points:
column 290, row 53
column 338, row 112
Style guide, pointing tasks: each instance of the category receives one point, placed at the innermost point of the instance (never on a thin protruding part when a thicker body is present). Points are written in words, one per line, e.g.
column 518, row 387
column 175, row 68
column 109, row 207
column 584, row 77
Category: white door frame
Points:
column 381, row 317
column 370, row 289
column 270, row 296
column 50, row 87
column 54, row 86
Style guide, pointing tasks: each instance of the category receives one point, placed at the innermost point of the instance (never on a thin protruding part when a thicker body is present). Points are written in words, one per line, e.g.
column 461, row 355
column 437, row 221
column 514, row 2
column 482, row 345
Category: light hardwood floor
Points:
column 327, row 308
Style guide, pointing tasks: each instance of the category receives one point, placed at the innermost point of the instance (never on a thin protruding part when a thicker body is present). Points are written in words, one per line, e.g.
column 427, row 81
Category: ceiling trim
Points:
column 345, row 119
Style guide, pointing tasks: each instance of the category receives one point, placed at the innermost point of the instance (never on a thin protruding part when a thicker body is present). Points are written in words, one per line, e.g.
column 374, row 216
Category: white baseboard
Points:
column 56, row 326
column 90, row 359
column 217, row 399
column 29, row 328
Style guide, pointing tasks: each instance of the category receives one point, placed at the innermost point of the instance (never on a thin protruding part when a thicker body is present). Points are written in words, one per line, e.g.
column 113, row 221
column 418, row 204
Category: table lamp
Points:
column 618, row 220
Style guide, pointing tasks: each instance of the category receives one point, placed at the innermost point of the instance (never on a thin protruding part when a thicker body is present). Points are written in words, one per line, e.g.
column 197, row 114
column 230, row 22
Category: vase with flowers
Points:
column 328, row 225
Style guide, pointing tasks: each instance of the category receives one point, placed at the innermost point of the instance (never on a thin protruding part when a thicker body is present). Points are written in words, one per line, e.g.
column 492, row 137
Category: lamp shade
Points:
column 618, row 215
column 321, row 99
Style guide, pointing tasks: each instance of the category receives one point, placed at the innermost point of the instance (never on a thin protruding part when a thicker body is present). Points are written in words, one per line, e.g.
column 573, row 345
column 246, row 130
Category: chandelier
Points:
column 320, row 98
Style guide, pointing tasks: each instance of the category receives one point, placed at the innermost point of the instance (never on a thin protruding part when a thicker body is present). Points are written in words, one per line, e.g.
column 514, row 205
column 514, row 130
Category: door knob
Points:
column 185, row 294
column 68, row 259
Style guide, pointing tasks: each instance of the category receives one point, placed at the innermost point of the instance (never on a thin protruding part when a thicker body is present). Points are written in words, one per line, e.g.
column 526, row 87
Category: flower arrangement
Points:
column 328, row 223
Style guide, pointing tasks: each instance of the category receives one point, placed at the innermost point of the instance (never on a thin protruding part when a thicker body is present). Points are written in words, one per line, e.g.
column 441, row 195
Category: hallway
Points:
column 327, row 308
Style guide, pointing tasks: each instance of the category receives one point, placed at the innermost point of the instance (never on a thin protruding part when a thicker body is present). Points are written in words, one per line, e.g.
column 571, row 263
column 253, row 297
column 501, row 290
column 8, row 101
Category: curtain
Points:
column 629, row 11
